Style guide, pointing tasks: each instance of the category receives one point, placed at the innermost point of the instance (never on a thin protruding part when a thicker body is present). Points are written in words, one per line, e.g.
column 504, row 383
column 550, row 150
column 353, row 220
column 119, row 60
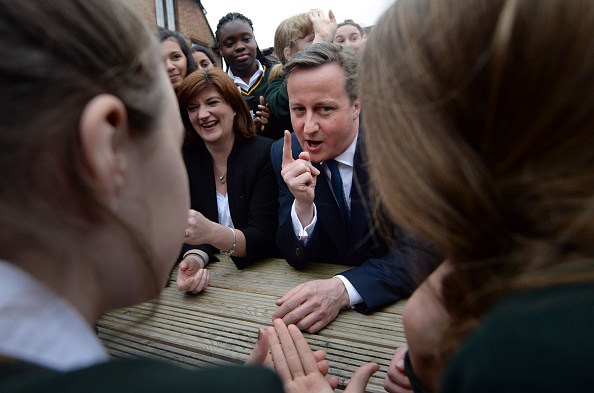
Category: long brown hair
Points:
column 481, row 136
column 198, row 81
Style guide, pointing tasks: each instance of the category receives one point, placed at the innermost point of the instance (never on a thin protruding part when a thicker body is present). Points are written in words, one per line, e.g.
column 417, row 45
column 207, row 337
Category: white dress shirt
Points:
column 346, row 162
column 39, row 327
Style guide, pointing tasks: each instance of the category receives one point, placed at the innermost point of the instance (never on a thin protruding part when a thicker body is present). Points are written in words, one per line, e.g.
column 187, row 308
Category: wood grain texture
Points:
column 220, row 325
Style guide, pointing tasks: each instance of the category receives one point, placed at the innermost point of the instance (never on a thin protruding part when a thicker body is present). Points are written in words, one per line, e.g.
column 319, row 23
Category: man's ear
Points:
column 103, row 129
column 356, row 108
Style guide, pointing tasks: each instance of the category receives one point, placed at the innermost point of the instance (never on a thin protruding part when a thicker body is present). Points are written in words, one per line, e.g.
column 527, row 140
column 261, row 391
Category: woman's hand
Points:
column 192, row 276
column 199, row 229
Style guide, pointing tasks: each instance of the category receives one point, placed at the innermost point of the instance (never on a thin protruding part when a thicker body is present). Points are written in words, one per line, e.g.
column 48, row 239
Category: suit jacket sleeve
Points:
column 287, row 241
column 384, row 281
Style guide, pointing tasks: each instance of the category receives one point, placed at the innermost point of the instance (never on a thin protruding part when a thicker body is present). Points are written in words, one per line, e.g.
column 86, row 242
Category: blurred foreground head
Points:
column 480, row 120
column 89, row 126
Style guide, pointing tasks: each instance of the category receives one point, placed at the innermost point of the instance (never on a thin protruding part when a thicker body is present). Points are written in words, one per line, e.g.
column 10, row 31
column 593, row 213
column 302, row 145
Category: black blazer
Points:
column 383, row 274
column 252, row 193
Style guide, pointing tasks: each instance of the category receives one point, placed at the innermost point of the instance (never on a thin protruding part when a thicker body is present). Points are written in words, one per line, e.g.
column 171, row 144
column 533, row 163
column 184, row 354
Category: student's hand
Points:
column 324, row 28
column 262, row 116
column 396, row 379
column 294, row 361
column 261, row 355
column 297, row 366
column 192, row 276
column 312, row 305
column 300, row 176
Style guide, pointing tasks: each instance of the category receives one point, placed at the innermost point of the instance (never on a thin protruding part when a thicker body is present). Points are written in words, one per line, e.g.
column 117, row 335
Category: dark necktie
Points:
column 338, row 189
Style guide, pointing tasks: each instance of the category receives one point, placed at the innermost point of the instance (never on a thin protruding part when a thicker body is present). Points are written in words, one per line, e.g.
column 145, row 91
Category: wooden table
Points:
column 220, row 325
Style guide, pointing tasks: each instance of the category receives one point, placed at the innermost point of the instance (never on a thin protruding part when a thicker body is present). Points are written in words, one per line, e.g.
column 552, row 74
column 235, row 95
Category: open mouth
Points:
column 312, row 145
column 209, row 124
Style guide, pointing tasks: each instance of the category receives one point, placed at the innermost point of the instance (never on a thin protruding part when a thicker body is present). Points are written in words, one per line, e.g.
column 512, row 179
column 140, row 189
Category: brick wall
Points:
column 191, row 21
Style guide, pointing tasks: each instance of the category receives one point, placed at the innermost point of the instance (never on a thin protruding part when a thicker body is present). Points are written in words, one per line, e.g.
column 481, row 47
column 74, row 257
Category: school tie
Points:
column 338, row 189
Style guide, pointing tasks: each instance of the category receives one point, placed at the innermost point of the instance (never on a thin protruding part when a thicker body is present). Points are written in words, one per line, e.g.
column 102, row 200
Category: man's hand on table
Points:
column 312, row 305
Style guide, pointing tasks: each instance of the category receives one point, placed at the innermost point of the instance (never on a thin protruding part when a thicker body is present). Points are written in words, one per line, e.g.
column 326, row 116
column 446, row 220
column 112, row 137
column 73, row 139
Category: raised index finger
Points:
column 287, row 152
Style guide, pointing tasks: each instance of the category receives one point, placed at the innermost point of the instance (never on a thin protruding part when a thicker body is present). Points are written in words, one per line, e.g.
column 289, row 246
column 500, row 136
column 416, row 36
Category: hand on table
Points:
column 396, row 379
column 300, row 176
column 192, row 276
column 312, row 305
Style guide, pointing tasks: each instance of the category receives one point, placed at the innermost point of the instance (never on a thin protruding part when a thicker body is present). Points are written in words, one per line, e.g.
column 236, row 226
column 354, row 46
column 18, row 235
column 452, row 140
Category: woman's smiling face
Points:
column 211, row 116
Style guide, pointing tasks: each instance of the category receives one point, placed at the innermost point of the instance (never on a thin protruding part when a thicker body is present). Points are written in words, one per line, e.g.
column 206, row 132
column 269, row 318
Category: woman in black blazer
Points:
column 234, row 195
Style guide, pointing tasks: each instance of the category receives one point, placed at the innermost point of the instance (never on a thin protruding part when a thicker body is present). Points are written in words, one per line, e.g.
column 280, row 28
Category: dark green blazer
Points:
column 138, row 375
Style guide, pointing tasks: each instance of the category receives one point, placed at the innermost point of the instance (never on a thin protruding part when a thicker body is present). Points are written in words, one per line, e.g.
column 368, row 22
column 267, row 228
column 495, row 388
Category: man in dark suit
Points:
column 325, row 213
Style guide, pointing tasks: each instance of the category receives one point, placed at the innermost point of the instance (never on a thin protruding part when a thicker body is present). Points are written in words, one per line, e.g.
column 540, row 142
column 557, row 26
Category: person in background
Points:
column 325, row 209
column 480, row 136
column 292, row 35
column 203, row 56
column 177, row 55
column 247, row 66
column 349, row 33
column 233, row 192
column 93, row 199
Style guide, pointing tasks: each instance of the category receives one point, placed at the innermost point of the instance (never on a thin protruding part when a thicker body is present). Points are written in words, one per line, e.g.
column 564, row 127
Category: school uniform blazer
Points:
column 252, row 191
column 383, row 274
column 138, row 376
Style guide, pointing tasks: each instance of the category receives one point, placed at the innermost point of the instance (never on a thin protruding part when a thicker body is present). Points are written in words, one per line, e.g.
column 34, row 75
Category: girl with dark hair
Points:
column 203, row 56
column 177, row 55
column 247, row 66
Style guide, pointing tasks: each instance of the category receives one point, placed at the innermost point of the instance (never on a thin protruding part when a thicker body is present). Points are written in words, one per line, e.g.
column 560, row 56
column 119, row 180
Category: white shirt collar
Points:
column 254, row 78
column 38, row 326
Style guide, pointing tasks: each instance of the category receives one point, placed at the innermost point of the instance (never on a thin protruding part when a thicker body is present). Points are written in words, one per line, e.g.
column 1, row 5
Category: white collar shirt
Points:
column 39, row 327
column 254, row 78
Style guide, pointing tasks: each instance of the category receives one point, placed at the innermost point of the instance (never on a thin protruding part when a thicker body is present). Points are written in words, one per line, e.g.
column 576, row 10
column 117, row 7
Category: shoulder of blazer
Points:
column 251, row 148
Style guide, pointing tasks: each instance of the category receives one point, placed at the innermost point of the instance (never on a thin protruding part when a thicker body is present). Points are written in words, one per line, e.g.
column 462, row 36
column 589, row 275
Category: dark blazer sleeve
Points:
column 202, row 190
column 384, row 281
column 288, row 244
column 253, row 198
